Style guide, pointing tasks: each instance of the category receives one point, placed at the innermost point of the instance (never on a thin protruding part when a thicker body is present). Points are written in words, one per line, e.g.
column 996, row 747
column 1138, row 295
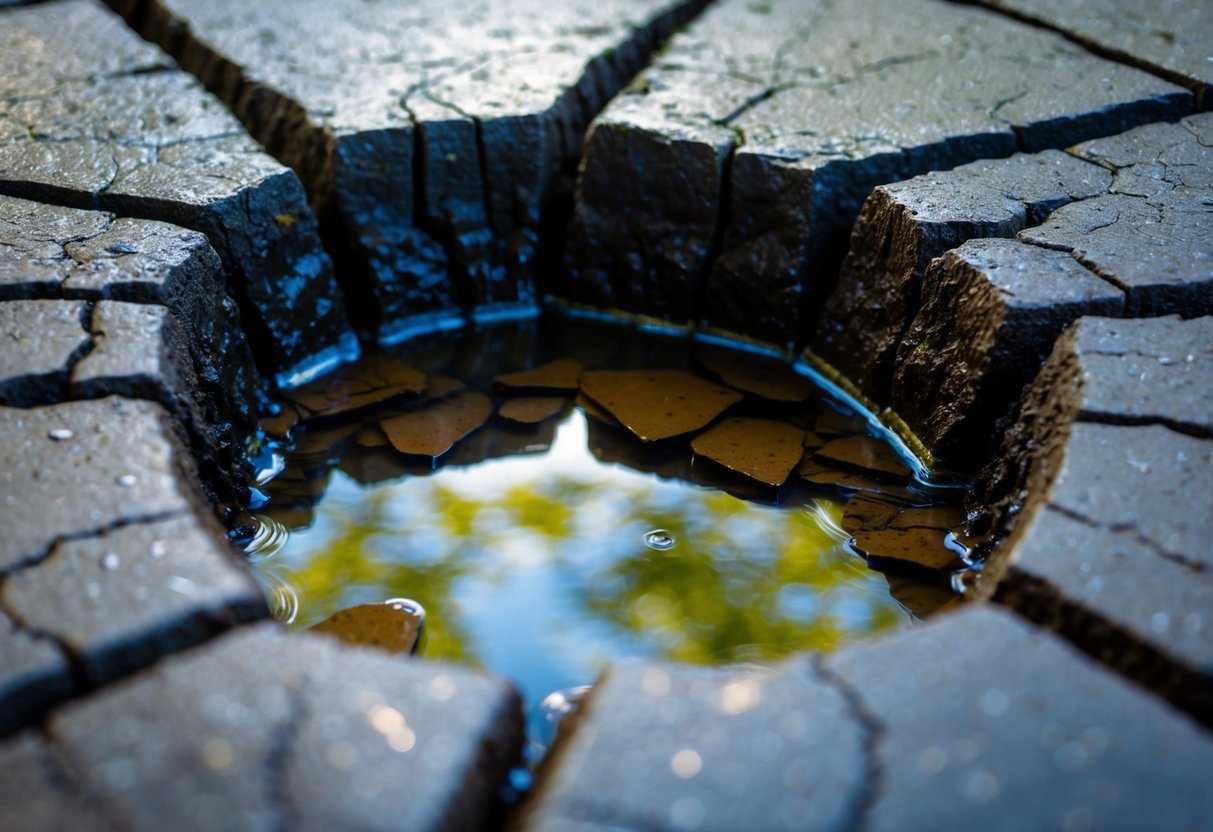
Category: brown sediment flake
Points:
column 593, row 410
column 921, row 599
column 865, row 455
column 833, row 423
column 562, row 374
column 390, row 627
column 371, row 437
column 610, row 443
column 658, row 404
column 813, row 440
column 818, row 473
column 763, row 377
column 929, row 517
column 864, row 512
column 920, row 547
column 434, row 429
column 280, row 424
column 761, row 449
column 439, row 387
column 531, row 410
column 366, row 383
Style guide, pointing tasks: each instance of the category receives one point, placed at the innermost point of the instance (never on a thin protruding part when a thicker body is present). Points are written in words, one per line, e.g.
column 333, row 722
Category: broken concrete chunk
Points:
column 43, row 339
column 658, row 404
column 119, row 129
column 83, row 467
column 563, row 374
column 1172, row 40
column 298, row 718
column 531, row 410
column 432, row 430
column 433, row 138
column 904, row 226
column 122, row 599
column 984, row 717
column 746, row 150
column 991, row 310
column 865, row 455
column 760, row 449
column 664, row 747
column 389, row 627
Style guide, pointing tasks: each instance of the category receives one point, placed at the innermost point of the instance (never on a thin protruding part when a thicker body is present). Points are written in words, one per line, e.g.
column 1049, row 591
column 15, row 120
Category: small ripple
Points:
column 267, row 540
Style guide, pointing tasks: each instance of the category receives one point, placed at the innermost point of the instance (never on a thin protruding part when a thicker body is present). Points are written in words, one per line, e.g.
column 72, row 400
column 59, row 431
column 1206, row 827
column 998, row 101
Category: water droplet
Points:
column 408, row 605
column 158, row 549
column 548, row 714
column 660, row 539
column 127, row 480
column 110, row 562
column 60, row 434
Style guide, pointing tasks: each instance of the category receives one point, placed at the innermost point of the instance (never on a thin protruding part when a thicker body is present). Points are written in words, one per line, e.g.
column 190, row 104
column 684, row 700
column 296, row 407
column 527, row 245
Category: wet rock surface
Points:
column 433, row 137
column 1135, row 217
column 1171, row 40
column 36, row 675
column 305, row 732
column 748, row 147
column 991, row 310
column 43, row 341
column 1099, row 499
column 95, row 117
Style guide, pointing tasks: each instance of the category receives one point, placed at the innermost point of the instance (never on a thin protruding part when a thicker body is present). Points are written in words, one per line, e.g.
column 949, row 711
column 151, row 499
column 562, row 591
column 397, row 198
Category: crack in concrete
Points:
column 278, row 792
column 1130, row 531
column 97, row 531
column 873, row 730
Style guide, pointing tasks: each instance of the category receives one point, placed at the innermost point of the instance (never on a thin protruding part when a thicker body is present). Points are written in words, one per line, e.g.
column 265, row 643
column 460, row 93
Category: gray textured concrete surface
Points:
column 299, row 731
column 750, row 144
column 36, row 676
column 1112, row 455
column 42, row 342
column 92, row 116
column 1169, row 38
column 433, row 137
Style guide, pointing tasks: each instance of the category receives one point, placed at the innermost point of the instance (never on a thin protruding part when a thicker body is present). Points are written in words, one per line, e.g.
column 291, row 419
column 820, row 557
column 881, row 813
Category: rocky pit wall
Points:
column 1027, row 191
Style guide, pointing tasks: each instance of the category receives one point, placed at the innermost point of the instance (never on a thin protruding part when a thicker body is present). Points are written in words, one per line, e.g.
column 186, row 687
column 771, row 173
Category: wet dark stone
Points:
column 668, row 747
column 986, row 722
column 43, row 339
column 433, row 137
column 1093, row 492
column 299, row 730
column 991, row 310
column 93, row 117
column 77, row 469
column 119, row 600
column 906, row 225
column 1170, row 39
column 734, row 166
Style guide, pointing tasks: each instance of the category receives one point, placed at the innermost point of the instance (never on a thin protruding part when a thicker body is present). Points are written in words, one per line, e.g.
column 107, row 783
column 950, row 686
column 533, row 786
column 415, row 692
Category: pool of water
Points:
column 542, row 551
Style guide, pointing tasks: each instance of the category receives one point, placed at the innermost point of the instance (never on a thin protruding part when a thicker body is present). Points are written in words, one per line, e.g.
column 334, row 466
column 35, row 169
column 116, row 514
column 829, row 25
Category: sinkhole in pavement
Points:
column 541, row 498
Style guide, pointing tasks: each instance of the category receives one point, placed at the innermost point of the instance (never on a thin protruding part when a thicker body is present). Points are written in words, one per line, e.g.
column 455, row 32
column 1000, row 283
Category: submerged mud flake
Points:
column 531, row 410
column 831, row 423
column 765, row 378
column 658, row 404
column 371, row 437
column 386, row 626
column 432, row 430
column 920, row 547
column 366, row 383
column 865, row 455
column 864, row 512
column 439, row 387
column 921, row 599
column 563, row 374
column 594, row 411
column 761, row 449
column 945, row 517
column 818, row 473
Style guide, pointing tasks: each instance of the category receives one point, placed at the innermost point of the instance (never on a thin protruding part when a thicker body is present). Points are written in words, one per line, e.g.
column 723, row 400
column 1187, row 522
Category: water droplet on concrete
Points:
column 110, row 562
column 127, row 480
column 660, row 539
column 60, row 434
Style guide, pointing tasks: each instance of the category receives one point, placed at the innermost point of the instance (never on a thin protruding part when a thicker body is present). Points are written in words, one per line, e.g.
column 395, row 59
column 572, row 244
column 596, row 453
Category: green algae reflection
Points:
column 537, row 567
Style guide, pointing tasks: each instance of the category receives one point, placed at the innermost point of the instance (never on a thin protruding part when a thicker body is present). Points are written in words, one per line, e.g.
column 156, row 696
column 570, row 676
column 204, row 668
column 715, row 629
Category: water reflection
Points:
column 543, row 568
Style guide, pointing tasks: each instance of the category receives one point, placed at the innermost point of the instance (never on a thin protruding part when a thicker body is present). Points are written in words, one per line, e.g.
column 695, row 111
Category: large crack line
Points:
column 873, row 730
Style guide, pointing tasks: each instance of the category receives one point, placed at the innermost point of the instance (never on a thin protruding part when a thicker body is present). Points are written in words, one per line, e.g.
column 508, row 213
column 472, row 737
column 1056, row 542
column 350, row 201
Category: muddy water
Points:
column 560, row 494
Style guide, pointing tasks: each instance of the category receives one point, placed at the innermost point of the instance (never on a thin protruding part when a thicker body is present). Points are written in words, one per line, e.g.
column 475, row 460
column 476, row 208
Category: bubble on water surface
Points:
column 660, row 539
